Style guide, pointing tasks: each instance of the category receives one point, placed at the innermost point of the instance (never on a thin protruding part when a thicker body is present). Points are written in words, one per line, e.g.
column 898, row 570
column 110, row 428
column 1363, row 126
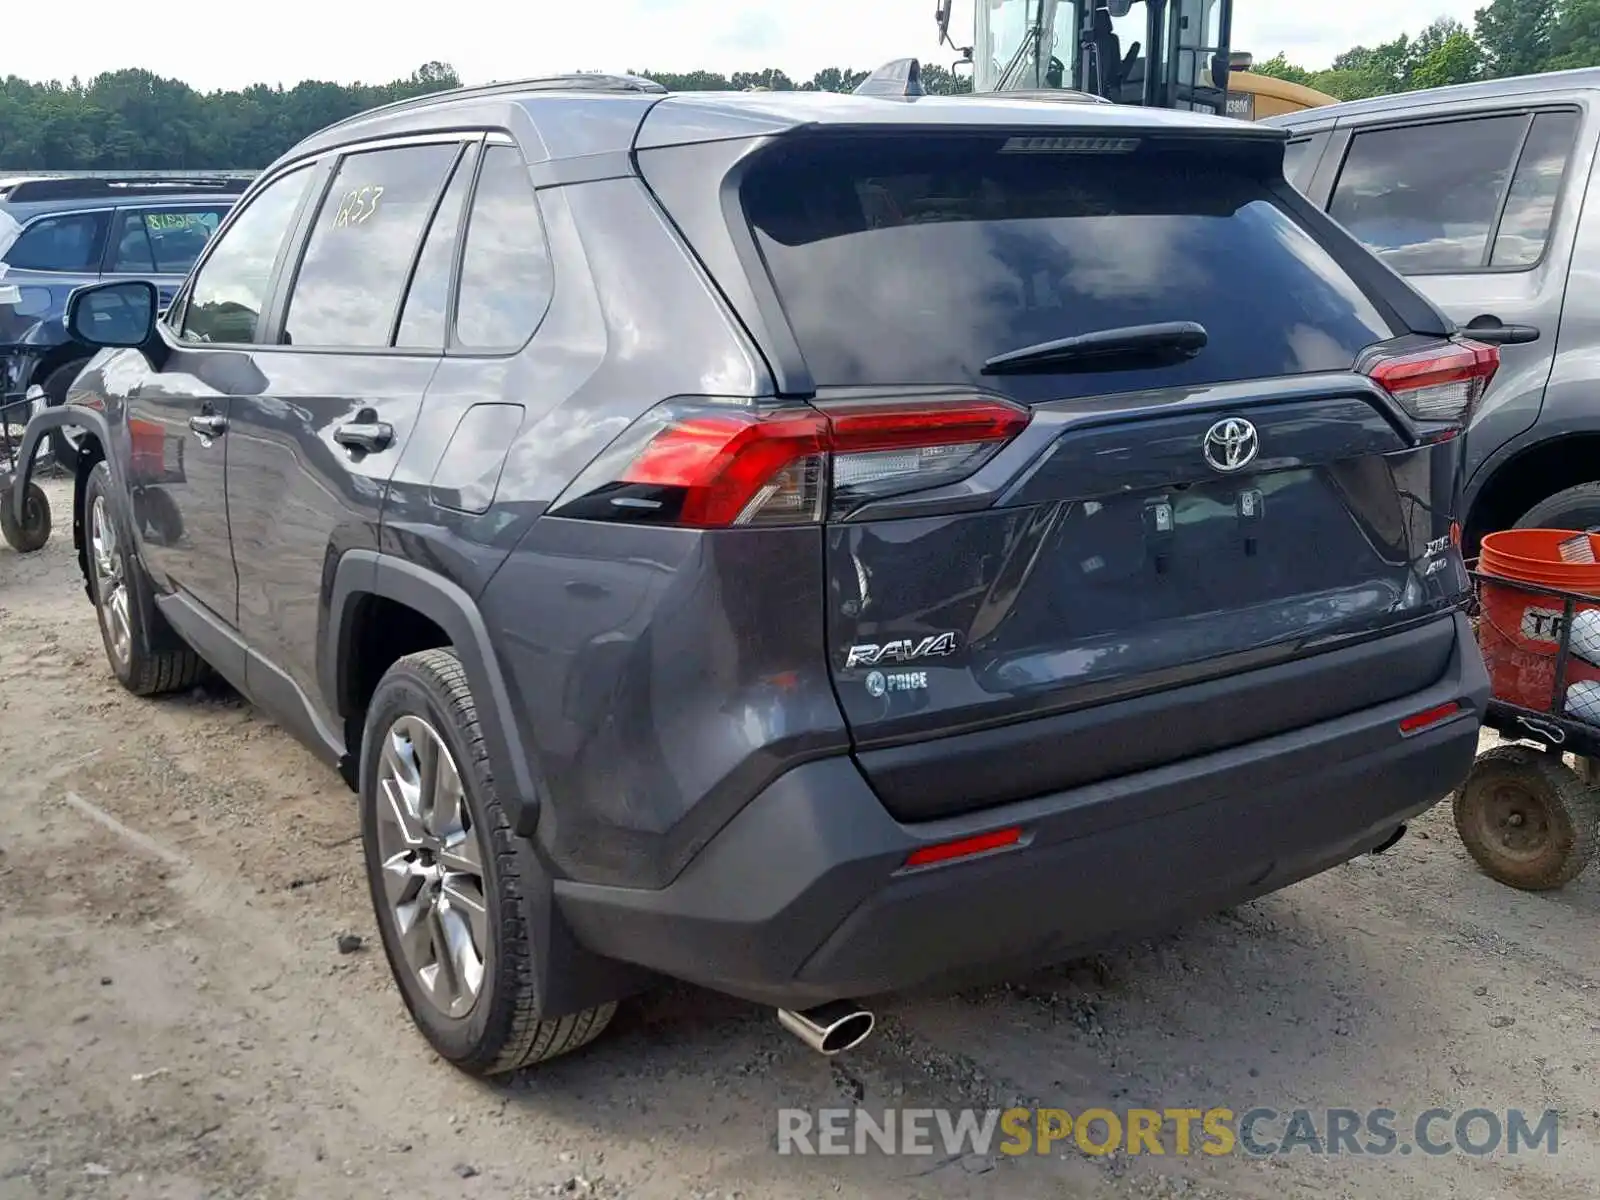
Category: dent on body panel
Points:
column 660, row 678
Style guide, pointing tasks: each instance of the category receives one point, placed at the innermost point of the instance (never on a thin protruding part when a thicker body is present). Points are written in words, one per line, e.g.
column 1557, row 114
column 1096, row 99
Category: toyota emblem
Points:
column 1231, row 444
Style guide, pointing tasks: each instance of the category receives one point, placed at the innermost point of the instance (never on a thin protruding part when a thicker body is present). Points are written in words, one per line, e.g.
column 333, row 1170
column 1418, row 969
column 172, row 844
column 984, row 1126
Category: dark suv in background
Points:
column 1479, row 195
column 59, row 232
column 804, row 544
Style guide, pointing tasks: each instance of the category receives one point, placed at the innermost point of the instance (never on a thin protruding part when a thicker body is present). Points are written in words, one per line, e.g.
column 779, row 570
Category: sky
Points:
column 286, row 41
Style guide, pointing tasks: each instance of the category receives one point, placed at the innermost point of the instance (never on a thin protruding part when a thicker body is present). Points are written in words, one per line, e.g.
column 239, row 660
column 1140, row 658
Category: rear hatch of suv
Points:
column 1125, row 462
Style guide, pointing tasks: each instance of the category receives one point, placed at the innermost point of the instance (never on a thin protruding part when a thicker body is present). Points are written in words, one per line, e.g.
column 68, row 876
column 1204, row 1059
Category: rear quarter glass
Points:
column 913, row 259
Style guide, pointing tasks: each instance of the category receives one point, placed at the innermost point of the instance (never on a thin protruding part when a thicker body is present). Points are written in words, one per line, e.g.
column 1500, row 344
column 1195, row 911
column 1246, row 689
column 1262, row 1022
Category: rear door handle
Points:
column 367, row 436
column 209, row 425
column 1496, row 333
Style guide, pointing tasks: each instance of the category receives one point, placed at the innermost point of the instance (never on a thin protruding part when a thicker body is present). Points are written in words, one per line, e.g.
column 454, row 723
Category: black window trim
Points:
column 1530, row 112
column 288, row 273
column 473, row 148
column 453, row 348
column 56, row 215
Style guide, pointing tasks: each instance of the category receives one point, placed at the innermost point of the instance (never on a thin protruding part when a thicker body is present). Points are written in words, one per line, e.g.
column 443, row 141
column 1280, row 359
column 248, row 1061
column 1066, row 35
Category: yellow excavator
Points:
column 1158, row 53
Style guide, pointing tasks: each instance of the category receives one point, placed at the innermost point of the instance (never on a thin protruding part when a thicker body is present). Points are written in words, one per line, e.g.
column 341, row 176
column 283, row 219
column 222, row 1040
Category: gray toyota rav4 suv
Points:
column 807, row 545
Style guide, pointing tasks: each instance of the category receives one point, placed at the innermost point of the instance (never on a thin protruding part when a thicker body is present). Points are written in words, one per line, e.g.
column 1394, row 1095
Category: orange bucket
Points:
column 1519, row 631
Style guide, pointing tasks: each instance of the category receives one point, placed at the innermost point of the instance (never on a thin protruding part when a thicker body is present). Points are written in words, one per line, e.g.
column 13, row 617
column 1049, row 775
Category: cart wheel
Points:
column 34, row 531
column 1527, row 819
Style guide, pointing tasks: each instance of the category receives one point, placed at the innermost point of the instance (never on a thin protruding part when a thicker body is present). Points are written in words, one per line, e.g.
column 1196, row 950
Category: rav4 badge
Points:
column 901, row 651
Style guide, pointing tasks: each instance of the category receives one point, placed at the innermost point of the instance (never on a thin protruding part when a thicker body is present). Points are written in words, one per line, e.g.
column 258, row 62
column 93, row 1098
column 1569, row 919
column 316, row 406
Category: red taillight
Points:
column 983, row 843
column 710, row 465
column 1429, row 717
column 1441, row 383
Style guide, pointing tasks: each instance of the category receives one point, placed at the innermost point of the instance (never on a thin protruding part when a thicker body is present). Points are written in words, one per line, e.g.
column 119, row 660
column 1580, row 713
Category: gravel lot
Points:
column 178, row 1021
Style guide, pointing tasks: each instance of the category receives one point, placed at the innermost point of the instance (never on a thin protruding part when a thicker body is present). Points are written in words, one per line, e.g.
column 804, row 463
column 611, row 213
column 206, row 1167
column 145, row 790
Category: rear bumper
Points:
column 801, row 898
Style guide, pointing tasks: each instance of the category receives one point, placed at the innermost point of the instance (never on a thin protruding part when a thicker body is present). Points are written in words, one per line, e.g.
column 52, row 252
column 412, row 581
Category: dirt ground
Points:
column 176, row 1019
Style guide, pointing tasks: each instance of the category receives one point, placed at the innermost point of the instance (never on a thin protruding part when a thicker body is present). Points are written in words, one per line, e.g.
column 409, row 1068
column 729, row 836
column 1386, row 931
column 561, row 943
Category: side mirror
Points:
column 942, row 16
column 1219, row 72
column 122, row 313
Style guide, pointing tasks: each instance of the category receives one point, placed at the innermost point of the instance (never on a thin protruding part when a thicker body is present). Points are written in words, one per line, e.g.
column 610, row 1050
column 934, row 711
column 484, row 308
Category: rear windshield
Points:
column 913, row 262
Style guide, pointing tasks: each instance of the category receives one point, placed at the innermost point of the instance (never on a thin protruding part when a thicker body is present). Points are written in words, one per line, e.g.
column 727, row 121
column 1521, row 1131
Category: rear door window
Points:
column 427, row 303
column 1531, row 206
column 71, row 242
column 1429, row 198
column 163, row 241
column 913, row 261
column 363, row 244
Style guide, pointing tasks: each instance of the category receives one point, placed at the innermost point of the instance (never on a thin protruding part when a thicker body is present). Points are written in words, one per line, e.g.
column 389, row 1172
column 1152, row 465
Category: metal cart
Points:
column 1528, row 812
column 19, row 398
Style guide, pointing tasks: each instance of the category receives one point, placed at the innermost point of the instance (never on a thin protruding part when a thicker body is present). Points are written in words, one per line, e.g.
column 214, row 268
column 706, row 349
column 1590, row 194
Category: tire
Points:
column 1575, row 508
column 63, row 446
column 112, row 566
column 438, row 875
column 34, row 531
column 1527, row 819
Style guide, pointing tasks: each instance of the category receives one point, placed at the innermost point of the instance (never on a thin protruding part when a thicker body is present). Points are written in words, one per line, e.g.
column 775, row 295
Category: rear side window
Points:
column 362, row 245
column 901, row 261
column 505, row 265
column 1294, row 155
column 1428, row 198
column 71, row 242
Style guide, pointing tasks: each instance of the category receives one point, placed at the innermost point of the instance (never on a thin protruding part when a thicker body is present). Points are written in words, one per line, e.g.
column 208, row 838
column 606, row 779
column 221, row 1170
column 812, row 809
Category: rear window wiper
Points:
column 1131, row 347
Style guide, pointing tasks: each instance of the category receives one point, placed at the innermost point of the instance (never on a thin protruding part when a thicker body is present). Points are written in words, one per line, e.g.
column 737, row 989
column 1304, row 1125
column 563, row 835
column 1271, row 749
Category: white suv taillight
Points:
column 1441, row 383
column 711, row 465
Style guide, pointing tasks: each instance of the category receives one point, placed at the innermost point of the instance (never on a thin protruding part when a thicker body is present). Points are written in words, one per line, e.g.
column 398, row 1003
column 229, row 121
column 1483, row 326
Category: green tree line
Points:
column 133, row 119
column 1507, row 37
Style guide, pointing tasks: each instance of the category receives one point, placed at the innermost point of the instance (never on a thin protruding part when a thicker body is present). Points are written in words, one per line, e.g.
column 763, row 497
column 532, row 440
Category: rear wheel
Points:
column 450, row 881
column 1527, row 819
column 112, row 565
column 1575, row 508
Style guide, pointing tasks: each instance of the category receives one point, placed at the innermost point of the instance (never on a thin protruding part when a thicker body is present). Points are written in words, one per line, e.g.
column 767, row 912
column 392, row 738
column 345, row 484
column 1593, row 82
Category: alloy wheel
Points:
column 431, row 859
column 110, row 583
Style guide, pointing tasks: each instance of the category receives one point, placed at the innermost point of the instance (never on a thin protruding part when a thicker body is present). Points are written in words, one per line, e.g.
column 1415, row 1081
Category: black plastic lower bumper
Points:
column 803, row 897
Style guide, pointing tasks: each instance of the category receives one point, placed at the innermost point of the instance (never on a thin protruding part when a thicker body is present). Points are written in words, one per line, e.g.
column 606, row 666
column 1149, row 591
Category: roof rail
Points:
column 584, row 81
column 901, row 77
column 23, row 191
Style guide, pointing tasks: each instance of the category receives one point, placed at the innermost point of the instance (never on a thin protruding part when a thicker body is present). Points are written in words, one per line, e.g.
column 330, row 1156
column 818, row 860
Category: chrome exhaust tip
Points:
column 829, row 1029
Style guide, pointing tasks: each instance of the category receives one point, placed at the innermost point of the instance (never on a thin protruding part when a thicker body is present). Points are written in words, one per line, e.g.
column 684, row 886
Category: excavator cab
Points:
column 1157, row 53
